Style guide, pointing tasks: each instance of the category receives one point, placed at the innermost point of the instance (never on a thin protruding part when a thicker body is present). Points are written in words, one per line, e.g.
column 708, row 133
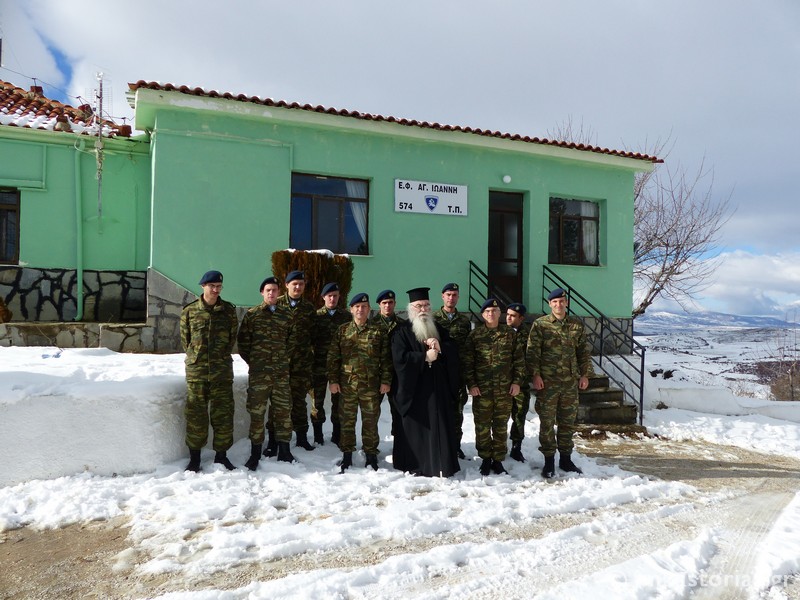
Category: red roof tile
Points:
column 168, row 87
column 30, row 109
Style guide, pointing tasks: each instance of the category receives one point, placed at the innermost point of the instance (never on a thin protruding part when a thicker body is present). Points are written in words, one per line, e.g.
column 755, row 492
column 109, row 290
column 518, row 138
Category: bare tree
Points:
column 677, row 222
column 676, row 233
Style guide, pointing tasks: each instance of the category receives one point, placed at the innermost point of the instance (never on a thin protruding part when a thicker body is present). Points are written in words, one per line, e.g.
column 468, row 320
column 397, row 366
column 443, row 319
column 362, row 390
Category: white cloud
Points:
column 745, row 283
column 711, row 74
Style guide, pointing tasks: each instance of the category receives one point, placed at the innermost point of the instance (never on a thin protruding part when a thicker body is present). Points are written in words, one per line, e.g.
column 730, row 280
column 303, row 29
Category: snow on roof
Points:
column 32, row 110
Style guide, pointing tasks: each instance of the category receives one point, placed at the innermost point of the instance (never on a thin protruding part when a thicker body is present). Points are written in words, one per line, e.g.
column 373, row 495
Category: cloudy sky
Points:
column 719, row 78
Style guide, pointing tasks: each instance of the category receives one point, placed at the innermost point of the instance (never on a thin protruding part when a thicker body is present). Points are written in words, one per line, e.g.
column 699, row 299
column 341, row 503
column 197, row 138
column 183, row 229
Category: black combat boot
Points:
column 336, row 434
column 486, row 467
column 272, row 447
column 318, row 439
column 255, row 456
column 549, row 468
column 194, row 461
column 284, row 454
column 516, row 452
column 302, row 440
column 372, row 461
column 498, row 468
column 565, row 463
column 346, row 462
column 221, row 458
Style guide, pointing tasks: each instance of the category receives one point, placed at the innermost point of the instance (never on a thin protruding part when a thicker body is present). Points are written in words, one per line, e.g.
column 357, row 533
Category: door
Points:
column 505, row 246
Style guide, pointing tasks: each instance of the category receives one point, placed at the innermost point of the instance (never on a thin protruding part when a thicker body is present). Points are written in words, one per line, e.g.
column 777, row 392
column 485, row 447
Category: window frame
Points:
column 315, row 200
column 563, row 219
column 15, row 209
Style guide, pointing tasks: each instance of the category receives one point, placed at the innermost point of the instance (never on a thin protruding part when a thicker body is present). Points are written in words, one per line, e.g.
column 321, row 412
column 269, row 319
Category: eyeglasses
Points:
column 215, row 286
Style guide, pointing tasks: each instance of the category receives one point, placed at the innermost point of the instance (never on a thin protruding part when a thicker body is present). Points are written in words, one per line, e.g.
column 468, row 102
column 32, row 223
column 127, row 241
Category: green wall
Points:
column 51, row 169
column 221, row 199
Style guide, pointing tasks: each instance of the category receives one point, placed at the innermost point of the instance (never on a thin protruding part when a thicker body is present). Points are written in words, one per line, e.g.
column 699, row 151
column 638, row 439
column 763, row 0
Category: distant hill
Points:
column 658, row 321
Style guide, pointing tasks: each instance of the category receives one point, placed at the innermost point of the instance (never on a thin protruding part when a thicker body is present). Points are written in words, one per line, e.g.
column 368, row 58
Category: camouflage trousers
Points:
column 204, row 398
column 264, row 394
column 557, row 407
column 352, row 399
column 491, row 411
column 520, row 405
column 300, row 383
column 458, row 409
column 318, row 408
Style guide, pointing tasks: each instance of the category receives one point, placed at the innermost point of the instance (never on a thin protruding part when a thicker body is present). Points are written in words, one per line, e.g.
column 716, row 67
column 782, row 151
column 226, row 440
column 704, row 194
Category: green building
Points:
column 219, row 181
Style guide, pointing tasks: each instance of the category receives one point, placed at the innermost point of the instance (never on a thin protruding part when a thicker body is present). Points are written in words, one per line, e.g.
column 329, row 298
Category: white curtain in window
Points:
column 358, row 189
column 589, row 232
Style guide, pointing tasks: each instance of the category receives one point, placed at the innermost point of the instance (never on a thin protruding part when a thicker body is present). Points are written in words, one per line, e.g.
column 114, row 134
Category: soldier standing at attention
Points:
column 559, row 361
column 301, row 355
column 458, row 327
column 262, row 339
column 515, row 318
column 388, row 319
column 208, row 334
column 326, row 321
column 360, row 368
column 494, row 368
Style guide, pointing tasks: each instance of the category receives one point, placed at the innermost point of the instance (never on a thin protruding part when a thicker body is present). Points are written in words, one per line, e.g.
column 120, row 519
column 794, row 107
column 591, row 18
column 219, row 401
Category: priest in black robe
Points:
column 426, row 362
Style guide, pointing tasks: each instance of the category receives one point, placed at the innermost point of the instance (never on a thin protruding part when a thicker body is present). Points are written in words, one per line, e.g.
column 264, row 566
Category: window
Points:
column 329, row 213
column 9, row 226
column 574, row 227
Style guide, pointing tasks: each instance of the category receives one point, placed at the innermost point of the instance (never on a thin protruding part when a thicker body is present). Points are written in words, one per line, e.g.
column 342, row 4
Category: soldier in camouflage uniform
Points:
column 559, row 360
column 301, row 354
column 360, row 368
column 388, row 319
column 263, row 337
column 326, row 321
column 515, row 318
column 494, row 368
column 208, row 334
column 458, row 326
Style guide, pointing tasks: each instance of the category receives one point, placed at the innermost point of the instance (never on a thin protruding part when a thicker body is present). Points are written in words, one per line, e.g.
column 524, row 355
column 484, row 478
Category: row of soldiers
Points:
column 292, row 348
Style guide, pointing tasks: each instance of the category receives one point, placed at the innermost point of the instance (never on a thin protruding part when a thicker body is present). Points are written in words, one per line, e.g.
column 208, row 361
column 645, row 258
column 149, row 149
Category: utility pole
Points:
column 99, row 153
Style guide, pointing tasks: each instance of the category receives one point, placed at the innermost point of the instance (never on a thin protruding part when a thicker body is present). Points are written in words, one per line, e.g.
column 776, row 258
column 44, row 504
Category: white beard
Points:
column 422, row 324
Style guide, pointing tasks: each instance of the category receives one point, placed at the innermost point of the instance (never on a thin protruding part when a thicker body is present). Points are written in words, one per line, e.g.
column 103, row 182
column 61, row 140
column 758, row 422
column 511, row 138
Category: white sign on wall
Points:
column 430, row 198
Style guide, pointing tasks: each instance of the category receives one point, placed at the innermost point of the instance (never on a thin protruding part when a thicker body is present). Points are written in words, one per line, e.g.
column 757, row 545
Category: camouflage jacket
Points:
column 523, row 332
column 494, row 357
column 458, row 327
column 301, row 353
column 325, row 326
column 557, row 350
column 360, row 356
column 388, row 324
column 263, row 341
column 208, row 334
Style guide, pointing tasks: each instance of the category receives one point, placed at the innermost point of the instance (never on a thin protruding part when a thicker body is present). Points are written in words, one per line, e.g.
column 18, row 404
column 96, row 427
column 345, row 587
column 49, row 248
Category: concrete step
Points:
column 595, row 396
column 623, row 414
column 598, row 381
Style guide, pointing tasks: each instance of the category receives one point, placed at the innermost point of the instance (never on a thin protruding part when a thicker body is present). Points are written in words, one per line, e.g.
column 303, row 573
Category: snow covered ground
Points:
column 93, row 435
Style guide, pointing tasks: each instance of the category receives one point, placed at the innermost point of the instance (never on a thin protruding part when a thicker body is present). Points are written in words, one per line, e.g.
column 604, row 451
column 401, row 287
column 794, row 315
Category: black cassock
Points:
column 426, row 443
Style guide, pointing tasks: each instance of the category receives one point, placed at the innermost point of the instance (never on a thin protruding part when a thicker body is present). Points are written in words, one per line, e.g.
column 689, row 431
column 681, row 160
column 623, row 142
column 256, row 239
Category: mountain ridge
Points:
column 704, row 319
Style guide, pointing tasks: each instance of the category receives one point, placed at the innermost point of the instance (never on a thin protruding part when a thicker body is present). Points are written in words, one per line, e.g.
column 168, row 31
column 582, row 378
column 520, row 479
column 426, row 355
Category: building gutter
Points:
column 79, row 232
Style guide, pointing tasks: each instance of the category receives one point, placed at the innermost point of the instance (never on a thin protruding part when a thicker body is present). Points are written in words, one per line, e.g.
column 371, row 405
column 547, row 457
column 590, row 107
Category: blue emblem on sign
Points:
column 431, row 202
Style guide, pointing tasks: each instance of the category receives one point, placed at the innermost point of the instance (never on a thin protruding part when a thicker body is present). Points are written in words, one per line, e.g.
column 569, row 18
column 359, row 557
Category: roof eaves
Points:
column 196, row 91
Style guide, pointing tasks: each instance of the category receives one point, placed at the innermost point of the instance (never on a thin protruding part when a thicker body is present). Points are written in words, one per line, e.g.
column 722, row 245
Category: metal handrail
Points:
column 477, row 295
column 618, row 367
